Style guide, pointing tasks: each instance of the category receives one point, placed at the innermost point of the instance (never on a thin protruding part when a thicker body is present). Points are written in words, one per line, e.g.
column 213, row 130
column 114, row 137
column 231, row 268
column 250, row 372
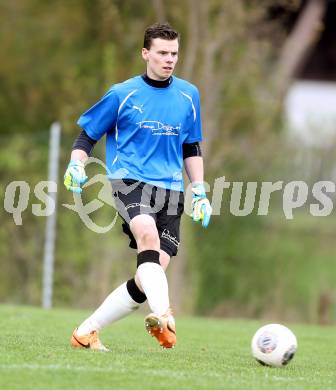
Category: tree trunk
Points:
column 159, row 9
column 192, row 39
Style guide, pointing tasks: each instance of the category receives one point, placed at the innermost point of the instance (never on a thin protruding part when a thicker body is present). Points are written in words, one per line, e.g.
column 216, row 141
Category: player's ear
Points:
column 144, row 53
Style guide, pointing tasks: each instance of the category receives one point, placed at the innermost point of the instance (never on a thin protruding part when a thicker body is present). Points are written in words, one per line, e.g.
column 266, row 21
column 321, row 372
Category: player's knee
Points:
column 148, row 238
column 145, row 233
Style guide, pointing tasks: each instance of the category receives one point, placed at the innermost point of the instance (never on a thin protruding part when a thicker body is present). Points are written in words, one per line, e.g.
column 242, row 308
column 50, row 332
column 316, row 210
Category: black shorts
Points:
column 133, row 198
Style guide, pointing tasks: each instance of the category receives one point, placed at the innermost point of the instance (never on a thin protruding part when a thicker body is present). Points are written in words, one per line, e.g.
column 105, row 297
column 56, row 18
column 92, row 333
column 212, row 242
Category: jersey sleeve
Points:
column 195, row 122
column 101, row 118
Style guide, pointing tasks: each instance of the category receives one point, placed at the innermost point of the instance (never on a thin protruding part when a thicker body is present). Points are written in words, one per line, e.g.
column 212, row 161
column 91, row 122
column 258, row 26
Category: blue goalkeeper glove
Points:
column 75, row 176
column 201, row 209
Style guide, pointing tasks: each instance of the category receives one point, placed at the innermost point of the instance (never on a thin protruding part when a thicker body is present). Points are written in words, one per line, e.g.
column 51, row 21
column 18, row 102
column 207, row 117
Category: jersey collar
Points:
column 157, row 83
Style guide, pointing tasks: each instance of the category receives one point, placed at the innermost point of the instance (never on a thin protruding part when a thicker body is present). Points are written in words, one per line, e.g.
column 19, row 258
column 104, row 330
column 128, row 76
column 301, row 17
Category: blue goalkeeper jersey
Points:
column 145, row 129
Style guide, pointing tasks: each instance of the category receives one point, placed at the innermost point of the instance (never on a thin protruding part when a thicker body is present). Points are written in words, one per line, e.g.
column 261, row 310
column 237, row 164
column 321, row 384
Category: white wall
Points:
column 310, row 109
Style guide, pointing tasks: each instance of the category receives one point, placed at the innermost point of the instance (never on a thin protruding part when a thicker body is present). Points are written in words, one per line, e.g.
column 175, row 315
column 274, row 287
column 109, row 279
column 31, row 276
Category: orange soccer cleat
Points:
column 88, row 341
column 163, row 328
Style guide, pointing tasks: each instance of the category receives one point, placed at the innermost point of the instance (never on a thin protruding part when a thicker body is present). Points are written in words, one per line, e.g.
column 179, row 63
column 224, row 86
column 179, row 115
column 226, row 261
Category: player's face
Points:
column 161, row 58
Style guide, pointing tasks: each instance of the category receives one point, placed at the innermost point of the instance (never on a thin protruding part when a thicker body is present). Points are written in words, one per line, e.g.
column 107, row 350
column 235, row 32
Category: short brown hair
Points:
column 159, row 30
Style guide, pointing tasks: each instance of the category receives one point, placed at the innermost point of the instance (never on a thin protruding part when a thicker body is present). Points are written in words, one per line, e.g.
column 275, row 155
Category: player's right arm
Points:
column 95, row 122
column 75, row 175
column 78, row 154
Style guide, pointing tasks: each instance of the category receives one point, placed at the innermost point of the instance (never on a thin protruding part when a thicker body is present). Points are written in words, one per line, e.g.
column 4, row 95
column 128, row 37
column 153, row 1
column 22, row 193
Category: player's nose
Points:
column 170, row 58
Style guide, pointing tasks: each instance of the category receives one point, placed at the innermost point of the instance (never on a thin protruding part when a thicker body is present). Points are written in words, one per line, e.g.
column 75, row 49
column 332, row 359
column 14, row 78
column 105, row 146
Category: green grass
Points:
column 211, row 354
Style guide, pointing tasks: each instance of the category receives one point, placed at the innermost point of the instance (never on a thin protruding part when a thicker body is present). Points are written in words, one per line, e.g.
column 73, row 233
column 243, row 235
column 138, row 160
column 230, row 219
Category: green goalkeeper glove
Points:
column 75, row 176
column 201, row 209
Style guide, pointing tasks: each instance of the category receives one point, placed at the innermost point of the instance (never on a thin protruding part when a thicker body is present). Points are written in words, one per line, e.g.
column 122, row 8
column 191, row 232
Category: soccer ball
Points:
column 274, row 345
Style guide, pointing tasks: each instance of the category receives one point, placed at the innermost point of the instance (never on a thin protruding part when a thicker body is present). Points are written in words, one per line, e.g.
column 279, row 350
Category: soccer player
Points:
column 152, row 125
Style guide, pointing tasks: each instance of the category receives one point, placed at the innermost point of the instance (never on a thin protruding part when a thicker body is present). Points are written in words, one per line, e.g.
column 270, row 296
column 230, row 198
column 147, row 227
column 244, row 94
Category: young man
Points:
column 153, row 126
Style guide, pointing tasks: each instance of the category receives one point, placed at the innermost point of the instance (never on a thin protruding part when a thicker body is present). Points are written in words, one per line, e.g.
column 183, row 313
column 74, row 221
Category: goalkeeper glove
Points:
column 201, row 209
column 75, row 176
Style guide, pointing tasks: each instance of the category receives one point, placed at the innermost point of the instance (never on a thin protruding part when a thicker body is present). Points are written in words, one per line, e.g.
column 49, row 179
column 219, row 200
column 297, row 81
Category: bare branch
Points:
column 300, row 42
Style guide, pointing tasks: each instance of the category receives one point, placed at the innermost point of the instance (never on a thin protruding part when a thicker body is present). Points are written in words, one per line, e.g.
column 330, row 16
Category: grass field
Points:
column 211, row 354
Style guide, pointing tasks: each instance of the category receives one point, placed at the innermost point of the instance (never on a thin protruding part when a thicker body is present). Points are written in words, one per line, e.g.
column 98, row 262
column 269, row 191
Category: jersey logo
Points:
column 139, row 108
column 159, row 128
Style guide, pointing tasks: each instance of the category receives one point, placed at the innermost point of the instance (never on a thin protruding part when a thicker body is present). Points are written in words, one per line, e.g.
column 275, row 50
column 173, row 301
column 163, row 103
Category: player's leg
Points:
column 164, row 261
column 168, row 224
column 150, row 274
column 162, row 327
column 125, row 299
column 121, row 302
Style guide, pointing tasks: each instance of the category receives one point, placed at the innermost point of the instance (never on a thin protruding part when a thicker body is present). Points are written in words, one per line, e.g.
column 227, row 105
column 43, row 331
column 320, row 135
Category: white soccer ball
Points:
column 274, row 345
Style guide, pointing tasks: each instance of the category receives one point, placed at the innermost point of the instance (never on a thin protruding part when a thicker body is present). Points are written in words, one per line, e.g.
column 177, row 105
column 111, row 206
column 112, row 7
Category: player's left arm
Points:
column 193, row 162
column 201, row 209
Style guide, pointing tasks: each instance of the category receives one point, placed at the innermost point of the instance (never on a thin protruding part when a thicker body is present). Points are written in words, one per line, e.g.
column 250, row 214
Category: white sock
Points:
column 154, row 283
column 116, row 306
